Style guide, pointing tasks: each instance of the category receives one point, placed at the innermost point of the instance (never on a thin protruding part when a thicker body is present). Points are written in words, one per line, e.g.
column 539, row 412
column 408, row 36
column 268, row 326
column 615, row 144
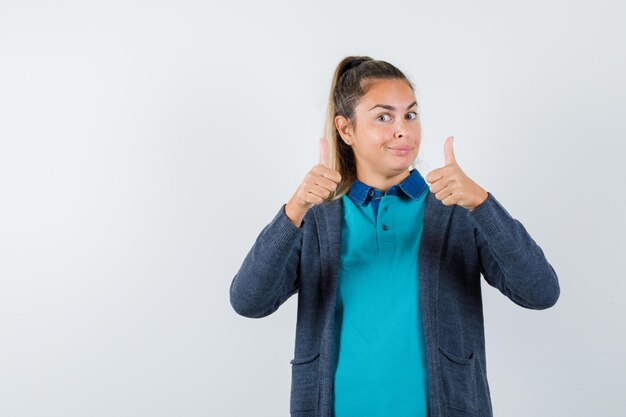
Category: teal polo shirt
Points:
column 380, row 356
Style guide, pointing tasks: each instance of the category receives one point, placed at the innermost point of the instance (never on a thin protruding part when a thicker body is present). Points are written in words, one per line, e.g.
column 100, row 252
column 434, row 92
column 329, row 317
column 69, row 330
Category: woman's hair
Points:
column 352, row 79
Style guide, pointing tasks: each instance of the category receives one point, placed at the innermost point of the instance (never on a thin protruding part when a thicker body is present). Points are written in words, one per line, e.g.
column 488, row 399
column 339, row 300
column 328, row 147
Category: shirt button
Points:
column 385, row 227
column 371, row 193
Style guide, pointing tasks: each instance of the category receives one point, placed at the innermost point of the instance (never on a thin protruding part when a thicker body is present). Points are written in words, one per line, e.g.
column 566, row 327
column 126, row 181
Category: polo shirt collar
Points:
column 413, row 186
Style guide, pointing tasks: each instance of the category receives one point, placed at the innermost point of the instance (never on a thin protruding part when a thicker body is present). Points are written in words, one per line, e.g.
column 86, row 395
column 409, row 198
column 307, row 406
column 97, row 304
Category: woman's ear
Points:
column 344, row 127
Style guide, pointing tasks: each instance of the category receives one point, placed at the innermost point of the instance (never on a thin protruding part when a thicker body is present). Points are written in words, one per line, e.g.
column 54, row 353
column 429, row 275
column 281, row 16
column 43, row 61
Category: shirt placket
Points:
column 385, row 228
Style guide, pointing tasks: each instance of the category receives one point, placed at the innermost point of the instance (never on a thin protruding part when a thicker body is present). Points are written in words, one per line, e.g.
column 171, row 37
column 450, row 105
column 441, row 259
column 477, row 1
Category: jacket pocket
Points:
column 304, row 383
column 458, row 378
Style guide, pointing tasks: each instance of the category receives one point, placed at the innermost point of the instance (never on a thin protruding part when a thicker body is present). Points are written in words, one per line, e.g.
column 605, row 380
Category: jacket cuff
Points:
column 281, row 231
column 490, row 216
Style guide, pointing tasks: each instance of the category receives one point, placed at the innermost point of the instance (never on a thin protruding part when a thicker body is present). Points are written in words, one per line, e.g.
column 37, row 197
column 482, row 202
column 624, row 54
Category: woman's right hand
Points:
column 316, row 187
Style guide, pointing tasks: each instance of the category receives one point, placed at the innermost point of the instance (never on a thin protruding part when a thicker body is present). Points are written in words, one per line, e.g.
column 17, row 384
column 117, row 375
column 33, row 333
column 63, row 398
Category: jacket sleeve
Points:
column 510, row 260
column 268, row 275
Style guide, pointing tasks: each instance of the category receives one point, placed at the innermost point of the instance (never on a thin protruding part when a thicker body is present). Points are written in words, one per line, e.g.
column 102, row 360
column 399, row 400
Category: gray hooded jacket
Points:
column 457, row 247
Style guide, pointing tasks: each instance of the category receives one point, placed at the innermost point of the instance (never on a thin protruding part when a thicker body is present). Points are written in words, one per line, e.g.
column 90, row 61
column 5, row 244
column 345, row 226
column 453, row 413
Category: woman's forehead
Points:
column 395, row 93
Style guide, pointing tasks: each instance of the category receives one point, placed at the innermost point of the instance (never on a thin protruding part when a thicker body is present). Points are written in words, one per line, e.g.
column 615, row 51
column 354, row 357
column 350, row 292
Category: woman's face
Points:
column 388, row 131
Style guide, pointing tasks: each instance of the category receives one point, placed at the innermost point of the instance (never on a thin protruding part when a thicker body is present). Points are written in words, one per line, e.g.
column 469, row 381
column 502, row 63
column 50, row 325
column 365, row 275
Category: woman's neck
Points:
column 381, row 181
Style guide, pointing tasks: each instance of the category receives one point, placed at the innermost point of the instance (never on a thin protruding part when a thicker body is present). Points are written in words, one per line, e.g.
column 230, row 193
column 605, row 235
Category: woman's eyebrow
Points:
column 388, row 107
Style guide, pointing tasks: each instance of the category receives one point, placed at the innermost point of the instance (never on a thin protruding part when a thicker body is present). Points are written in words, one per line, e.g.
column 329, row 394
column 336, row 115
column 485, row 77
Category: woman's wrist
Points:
column 295, row 213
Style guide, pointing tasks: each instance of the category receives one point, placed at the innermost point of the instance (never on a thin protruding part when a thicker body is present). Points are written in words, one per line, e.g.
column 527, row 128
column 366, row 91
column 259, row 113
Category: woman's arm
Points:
column 510, row 260
column 268, row 275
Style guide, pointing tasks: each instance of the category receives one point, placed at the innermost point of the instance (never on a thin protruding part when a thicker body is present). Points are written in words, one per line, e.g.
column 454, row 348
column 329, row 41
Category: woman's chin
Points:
column 401, row 165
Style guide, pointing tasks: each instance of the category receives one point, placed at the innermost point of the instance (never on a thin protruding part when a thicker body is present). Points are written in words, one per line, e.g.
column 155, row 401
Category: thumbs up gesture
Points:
column 450, row 184
column 316, row 187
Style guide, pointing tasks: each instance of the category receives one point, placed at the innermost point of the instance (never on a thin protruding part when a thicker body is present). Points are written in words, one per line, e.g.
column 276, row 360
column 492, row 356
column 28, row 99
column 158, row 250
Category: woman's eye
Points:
column 383, row 115
column 414, row 115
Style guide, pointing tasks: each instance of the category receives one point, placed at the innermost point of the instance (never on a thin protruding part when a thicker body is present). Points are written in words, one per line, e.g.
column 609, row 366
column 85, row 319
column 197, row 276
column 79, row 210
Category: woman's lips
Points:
column 400, row 150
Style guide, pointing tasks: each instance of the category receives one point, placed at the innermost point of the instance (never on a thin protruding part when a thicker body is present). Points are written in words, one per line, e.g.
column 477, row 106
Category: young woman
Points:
column 387, row 264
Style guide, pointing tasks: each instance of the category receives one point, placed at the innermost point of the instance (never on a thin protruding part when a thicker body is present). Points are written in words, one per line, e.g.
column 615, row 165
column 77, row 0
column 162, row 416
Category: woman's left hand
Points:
column 451, row 185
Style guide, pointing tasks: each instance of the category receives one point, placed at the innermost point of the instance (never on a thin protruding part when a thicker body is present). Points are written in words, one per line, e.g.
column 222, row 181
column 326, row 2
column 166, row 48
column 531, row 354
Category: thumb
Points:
column 448, row 151
column 324, row 153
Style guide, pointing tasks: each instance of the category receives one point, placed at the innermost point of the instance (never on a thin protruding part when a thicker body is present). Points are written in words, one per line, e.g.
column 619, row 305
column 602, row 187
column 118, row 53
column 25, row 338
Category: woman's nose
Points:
column 401, row 129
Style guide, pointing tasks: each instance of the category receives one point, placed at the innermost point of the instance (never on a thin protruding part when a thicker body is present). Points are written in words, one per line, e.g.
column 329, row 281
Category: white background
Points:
column 144, row 145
